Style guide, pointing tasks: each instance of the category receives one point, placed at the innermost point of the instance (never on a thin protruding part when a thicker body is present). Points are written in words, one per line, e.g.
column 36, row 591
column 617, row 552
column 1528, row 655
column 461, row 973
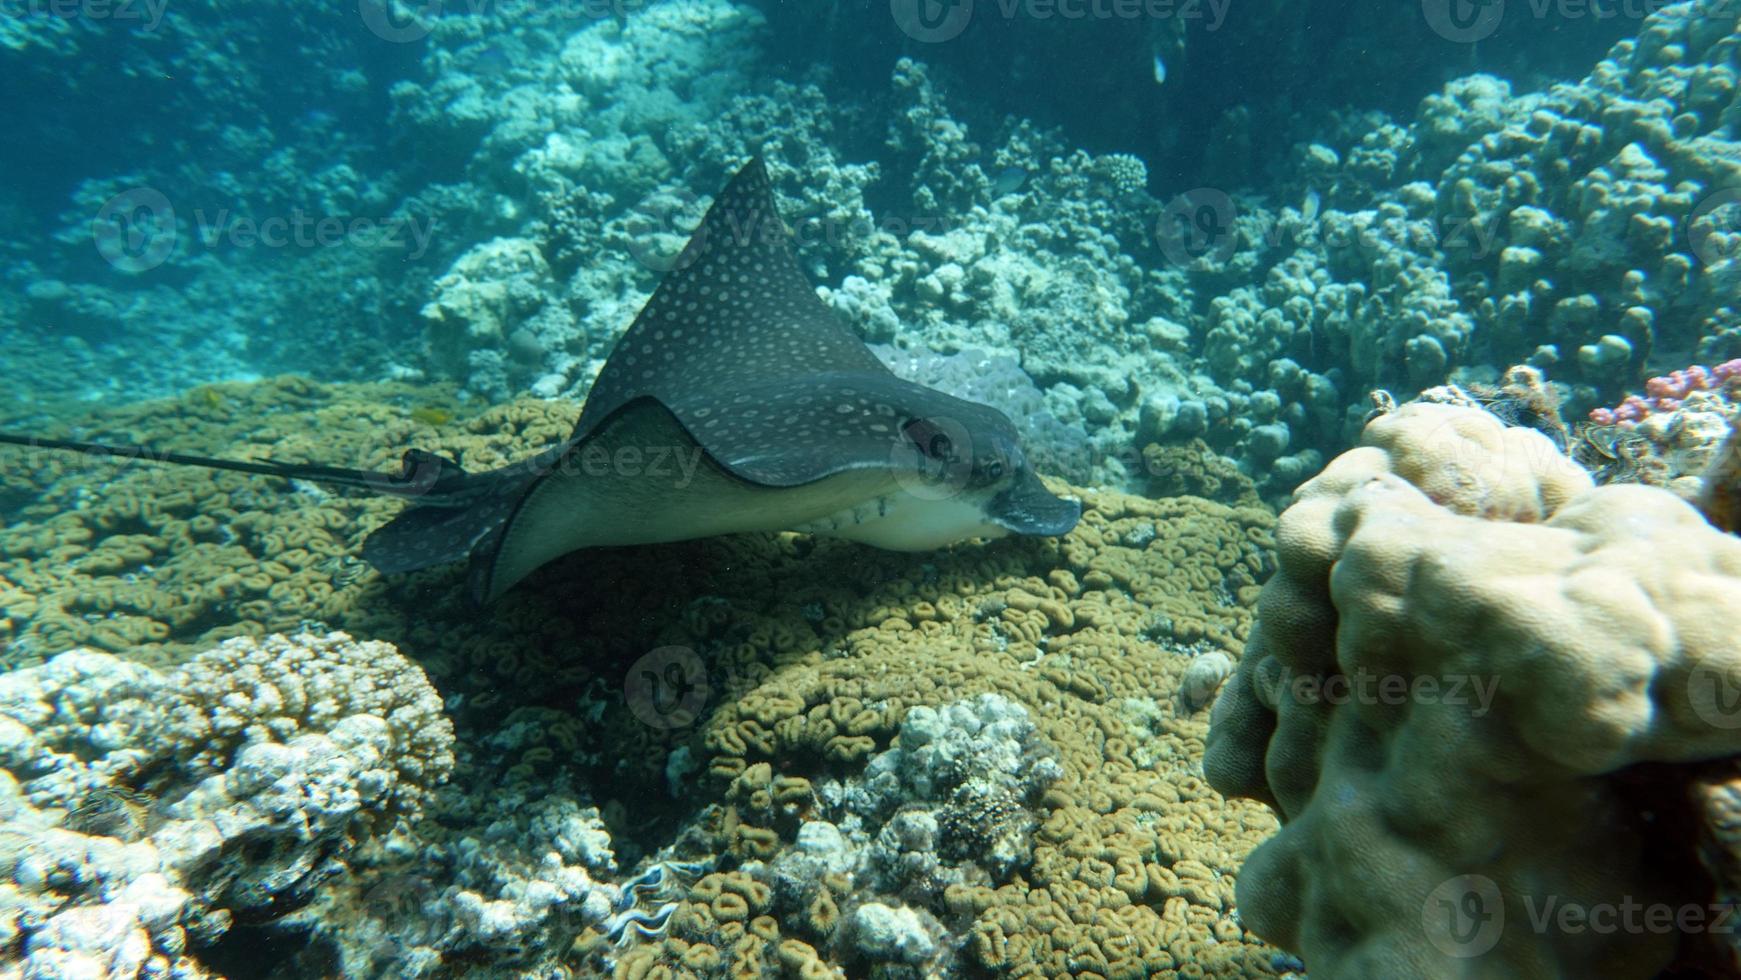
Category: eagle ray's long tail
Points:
column 423, row 477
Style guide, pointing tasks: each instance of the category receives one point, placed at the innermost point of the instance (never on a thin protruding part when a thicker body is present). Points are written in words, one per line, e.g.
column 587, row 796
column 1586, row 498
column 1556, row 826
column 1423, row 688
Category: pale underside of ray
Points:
column 672, row 492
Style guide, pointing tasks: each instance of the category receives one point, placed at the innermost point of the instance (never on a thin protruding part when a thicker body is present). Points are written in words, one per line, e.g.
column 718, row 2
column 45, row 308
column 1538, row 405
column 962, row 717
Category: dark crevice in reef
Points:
column 1667, row 818
column 268, row 951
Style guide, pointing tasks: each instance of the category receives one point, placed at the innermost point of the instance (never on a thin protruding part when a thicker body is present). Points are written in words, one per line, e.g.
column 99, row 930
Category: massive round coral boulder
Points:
column 1471, row 694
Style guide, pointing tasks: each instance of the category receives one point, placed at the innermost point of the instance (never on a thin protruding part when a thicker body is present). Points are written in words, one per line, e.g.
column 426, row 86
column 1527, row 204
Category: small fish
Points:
column 1160, row 70
column 1008, row 181
column 1309, row 207
column 430, row 415
column 493, row 59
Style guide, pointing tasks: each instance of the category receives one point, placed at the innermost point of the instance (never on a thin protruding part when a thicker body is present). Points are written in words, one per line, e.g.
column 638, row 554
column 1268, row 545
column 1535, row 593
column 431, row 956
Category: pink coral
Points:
column 1678, row 384
column 1665, row 393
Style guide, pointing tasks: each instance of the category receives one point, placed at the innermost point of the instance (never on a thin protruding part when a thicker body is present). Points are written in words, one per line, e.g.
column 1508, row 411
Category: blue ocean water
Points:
column 691, row 487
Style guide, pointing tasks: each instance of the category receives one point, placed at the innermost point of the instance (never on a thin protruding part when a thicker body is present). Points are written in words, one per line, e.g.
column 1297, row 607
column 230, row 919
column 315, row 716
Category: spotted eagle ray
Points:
column 735, row 364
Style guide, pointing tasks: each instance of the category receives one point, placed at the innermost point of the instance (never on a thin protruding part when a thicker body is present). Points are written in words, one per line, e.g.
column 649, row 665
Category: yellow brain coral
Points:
column 159, row 562
column 1457, row 685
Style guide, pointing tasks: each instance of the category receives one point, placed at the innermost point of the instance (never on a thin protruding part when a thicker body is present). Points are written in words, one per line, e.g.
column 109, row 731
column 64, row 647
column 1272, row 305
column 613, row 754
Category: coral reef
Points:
column 948, row 806
column 1671, row 437
column 1666, row 393
column 1261, row 340
column 493, row 310
column 1493, row 703
column 1091, row 897
column 1595, row 202
column 551, row 162
column 773, row 754
column 503, row 874
column 226, row 266
column 125, row 556
column 573, row 150
column 143, row 811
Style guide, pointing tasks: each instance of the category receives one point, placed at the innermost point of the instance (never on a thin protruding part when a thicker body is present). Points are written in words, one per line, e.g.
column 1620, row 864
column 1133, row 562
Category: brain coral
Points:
column 162, row 562
column 1131, row 865
column 1456, row 689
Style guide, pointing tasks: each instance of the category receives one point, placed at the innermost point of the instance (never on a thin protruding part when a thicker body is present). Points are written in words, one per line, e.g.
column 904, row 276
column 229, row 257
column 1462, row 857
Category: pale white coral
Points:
column 897, row 933
column 522, row 872
column 271, row 689
column 487, row 298
column 265, row 762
